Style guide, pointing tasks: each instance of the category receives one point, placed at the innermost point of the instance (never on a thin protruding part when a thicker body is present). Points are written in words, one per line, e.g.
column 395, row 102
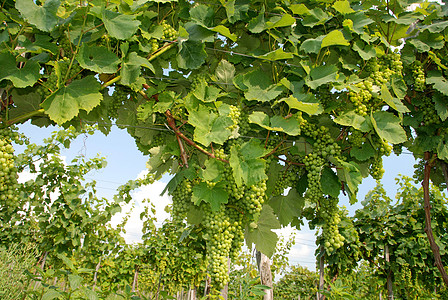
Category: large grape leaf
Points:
column 191, row 54
column 206, row 93
column 24, row 104
column 257, row 86
column 65, row 104
column 290, row 125
column 43, row 17
column 98, row 59
column 131, row 68
column 209, row 127
column 330, row 183
column 20, row 77
column 214, row 195
column 225, row 72
column 334, row 38
column 262, row 236
column 393, row 102
column 310, row 108
column 246, row 164
column 440, row 82
column 441, row 106
column 287, row 207
column 322, row 75
column 388, row 127
column 120, row 26
column 351, row 118
column 349, row 173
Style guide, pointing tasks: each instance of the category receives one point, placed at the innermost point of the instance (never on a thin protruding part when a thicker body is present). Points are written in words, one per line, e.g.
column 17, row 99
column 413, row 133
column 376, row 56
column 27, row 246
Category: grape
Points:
column 120, row 95
column 169, row 33
column 235, row 116
column 419, row 77
column 9, row 187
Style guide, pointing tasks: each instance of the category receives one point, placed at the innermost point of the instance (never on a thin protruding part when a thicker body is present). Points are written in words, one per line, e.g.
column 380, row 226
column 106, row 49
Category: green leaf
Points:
column 334, row 38
column 221, row 29
column 65, row 104
column 322, row 75
column 23, row 77
column 98, row 59
column 365, row 51
column 120, row 26
column 440, row 82
column 262, row 236
column 388, row 127
column 351, row 118
column 213, row 169
column 351, row 175
column 394, row 103
column 442, row 150
column 225, row 72
column 287, row 207
column 315, row 17
column 330, row 183
column 290, row 126
column 209, row 127
column 43, row 17
column 75, row 281
column 195, row 215
column 360, row 20
column 246, row 165
column 206, row 93
column 399, row 87
column 363, row 153
column 294, row 103
column 312, row 45
column 436, row 27
column 131, row 69
column 51, row 294
column 215, row 195
column 191, row 54
column 343, row 7
column 68, row 263
column 441, row 106
column 257, row 24
column 24, row 103
column 278, row 54
column 258, row 86
column 285, row 20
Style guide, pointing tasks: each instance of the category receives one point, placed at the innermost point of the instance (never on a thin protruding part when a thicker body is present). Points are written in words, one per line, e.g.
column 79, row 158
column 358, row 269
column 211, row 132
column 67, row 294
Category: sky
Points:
column 125, row 162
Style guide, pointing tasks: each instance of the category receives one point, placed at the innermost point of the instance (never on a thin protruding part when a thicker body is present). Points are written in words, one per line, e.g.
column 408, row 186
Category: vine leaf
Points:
column 334, row 38
column 343, row 7
column 321, row 75
column 98, row 59
column 23, row 77
column 442, row 150
column 388, row 127
column 43, row 17
column 131, row 68
column 351, row 118
column 440, row 82
column 65, row 104
column 257, row 86
column 310, row 107
column 214, row 195
column 51, row 294
column 209, row 127
column 288, row 207
column 330, row 183
column 349, row 172
column 225, row 72
column 206, row 93
column 290, row 126
column 393, row 102
column 246, row 164
column 278, row 54
column 120, row 26
column 24, row 104
column 262, row 236
column 191, row 54
column 441, row 106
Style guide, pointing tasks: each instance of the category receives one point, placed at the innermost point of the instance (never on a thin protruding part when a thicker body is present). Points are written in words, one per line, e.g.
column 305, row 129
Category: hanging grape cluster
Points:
column 430, row 116
column 9, row 188
column 59, row 75
column 419, row 77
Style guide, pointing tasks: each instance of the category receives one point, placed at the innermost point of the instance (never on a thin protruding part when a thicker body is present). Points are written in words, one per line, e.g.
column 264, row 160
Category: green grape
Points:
column 243, row 123
column 181, row 200
column 361, row 98
column 9, row 187
column 376, row 168
column 419, row 77
column 356, row 138
column 235, row 116
column 154, row 45
column 65, row 47
column 120, row 95
column 430, row 116
column 169, row 33
column 329, row 212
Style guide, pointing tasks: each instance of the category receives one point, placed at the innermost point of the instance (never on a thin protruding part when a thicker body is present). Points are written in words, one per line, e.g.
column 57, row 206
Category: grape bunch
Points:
column 356, row 138
column 328, row 211
column 235, row 116
column 285, row 179
column 9, row 187
column 419, row 77
column 169, row 33
column 65, row 47
column 430, row 116
column 361, row 98
column 382, row 68
column 197, row 79
column 59, row 76
column 243, row 123
column 119, row 97
column 376, row 168
column 181, row 200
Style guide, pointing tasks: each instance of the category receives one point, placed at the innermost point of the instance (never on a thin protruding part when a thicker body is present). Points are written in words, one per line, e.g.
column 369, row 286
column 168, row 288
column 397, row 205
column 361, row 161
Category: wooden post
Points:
column 95, row 276
column 390, row 291
column 321, row 273
column 135, row 282
column 264, row 269
column 225, row 290
column 207, row 286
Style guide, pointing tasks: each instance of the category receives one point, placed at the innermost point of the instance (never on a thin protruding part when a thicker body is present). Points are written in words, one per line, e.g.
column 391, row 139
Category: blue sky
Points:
column 125, row 162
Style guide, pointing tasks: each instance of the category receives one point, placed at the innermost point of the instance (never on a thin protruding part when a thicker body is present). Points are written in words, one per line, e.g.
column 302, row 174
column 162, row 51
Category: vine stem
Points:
column 179, row 134
column 162, row 50
column 24, row 117
column 428, row 228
